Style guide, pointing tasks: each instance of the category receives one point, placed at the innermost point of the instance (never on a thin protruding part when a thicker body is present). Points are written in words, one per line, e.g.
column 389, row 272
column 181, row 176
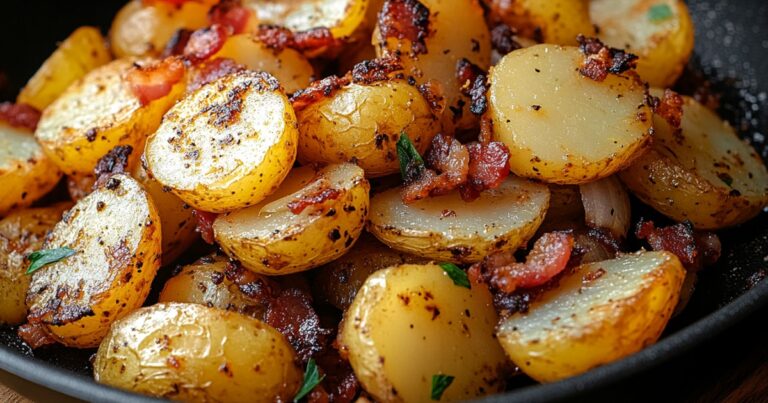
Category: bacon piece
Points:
column 36, row 335
column 488, row 167
column 115, row 161
column 548, row 257
column 19, row 115
column 694, row 249
column 670, row 108
column 340, row 384
column 205, row 42
column 177, row 43
column 466, row 73
column 432, row 91
column 316, row 91
column 249, row 283
column 211, row 71
column 315, row 198
column 312, row 41
column 601, row 60
column 154, row 81
column 371, row 71
column 205, row 224
column 292, row 314
column 449, row 161
column 405, row 19
column 231, row 13
column 503, row 39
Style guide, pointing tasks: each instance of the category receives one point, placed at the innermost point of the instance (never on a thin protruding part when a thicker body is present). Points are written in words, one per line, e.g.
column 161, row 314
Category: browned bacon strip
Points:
column 601, row 60
column 405, row 19
column 154, row 81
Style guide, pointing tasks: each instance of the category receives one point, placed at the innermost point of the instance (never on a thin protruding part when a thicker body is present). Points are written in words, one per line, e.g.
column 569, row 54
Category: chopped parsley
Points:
column 458, row 276
column 44, row 257
column 312, row 378
column 411, row 163
column 439, row 384
column 659, row 13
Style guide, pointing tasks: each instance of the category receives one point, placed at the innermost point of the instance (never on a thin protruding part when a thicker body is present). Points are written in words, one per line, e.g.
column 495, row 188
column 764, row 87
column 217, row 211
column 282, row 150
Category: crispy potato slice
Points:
column 84, row 50
column 411, row 322
column 450, row 229
column 98, row 113
column 660, row 32
column 560, row 126
column 704, row 173
column 194, row 353
column 555, row 22
column 602, row 312
column 341, row 17
column 21, row 233
column 26, row 173
column 227, row 145
column 314, row 217
column 115, row 233
column 362, row 123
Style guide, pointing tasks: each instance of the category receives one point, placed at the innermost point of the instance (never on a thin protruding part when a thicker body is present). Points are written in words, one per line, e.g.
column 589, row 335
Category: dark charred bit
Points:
column 177, row 43
column 256, row 287
column 315, row 198
column 478, row 96
column 317, row 90
column 432, row 92
column 205, row 42
column 503, row 39
column 670, row 108
column 371, row 71
column 211, row 71
column 228, row 111
column 314, row 40
column 466, row 74
column 90, row 135
column 114, row 162
column 405, row 19
column 601, row 60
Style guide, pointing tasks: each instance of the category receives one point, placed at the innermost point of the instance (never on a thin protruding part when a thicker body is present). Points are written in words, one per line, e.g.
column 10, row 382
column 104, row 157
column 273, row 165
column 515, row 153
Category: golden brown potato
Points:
column 227, row 145
column 115, row 234
column 560, row 126
column 660, row 32
column 84, row 50
column 602, row 312
column 704, row 174
column 341, row 17
column 98, row 113
column 411, row 322
column 21, row 233
column 314, row 217
column 194, row 353
column 361, row 123
column 447, row 228
column 549, row 21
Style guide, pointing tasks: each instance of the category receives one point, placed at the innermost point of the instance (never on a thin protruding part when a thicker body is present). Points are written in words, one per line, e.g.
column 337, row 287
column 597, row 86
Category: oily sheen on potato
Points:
column 341, row 17
column 598, row 314
column 557, row 22
column 560, row 126
column 227, row 145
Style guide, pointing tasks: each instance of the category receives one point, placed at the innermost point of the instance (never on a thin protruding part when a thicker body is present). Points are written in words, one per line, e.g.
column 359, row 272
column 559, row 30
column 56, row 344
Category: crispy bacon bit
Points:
column 488, row 167
column 154, row 81
column 316, row 91
column 19, row 115
column 478, row 96
column 256, row 287
column 670, row 108
column 601, row 60
column 36, row 335
column 405, row 19
column 371, row 71
column 340, row 384
column 291, row 313
column 433, row 92
column 466, row 73
column 693, row 249
column 315, row 198
column 177, row 43
column 113, row 162
column 449, row 161
column 211, row 71
column 230, row 13
column 205, row 42
column 312, row 41
column 503, row 39
column 205, row 224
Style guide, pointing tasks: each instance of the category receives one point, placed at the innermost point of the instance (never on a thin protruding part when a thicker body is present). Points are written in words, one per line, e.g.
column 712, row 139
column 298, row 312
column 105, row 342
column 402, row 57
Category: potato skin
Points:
column 342, row 18
column 362, row 123
column 115, row 232
column 21, row 233
column 198, row 354
column 556, row 22
column 410, row 322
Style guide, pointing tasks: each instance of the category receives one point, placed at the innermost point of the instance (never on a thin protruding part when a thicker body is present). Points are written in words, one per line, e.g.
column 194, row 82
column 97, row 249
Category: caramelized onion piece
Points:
column 606, row 206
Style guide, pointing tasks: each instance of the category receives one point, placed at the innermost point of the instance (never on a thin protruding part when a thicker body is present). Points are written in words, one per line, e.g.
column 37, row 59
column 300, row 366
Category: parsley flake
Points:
column 411, row 163
column 458, row 276
column 312, row 378
column 44, row 257
column 659, row 13
column 439, row 384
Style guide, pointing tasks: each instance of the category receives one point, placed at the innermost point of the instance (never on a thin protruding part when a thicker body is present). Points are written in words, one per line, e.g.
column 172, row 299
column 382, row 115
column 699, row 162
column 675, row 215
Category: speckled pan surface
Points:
column 731, row 50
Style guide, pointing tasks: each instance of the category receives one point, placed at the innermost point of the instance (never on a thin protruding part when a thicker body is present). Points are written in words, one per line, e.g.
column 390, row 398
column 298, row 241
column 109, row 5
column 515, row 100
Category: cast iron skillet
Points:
column 731, row 45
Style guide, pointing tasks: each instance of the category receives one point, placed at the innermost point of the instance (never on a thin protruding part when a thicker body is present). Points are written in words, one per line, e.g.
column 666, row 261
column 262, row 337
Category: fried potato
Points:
column 314, row 217
column 97, row 113
column 560, row 126
column 362, row 123
column 660, row 32
column 205, row 282
column 194, row 353
column 704, row 173
column 21, row 233
column 84, row 50
column 26, row 173
column 602, row 312
column 447, row 228
column 341, row 17
column 411, row 322
column 291, row 69
column 226, row 146
column 115, row 232
column 456, row 30
column 554, row 22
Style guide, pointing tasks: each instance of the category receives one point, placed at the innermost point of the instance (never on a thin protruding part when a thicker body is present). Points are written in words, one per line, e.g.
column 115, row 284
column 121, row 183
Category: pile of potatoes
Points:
column 313, row 191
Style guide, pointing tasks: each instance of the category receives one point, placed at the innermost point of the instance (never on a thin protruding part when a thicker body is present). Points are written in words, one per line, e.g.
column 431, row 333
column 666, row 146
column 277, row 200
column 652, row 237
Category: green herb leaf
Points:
column 40, row 258
column 312, row 378
column 411, row 164
column 458, row 276
column 659, row 13
column 439, row 384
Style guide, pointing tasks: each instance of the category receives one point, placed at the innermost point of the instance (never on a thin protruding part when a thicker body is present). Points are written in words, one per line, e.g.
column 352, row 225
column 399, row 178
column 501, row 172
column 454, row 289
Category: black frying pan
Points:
column 731, row 50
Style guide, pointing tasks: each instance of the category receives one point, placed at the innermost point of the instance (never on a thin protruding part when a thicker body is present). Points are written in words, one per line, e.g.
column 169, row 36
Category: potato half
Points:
column 314, row 217
column 362, row 123
column 194, row 353
column 84, row 50
column 115, row 232
column 560, row 126
column 227, row 145
column 98, row 113
column 704, row 173
column 602, row 312
column 556, row 22
column 450, row 229
column 411, row 322
column 341, row 17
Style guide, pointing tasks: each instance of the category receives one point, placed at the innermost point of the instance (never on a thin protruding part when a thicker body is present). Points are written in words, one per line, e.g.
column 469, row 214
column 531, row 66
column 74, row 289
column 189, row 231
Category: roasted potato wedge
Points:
column 193, row 353
column 26, row 173
column 226, row 146
column 560, row 126
column 704, row 173
column 84, row 50
column 314, row 217
column 556, row 22
column 362, row 123
column 21, row 233
column 97, row 113
column 341, row 17
column 660, row 32
column 115, row 234
column 411, row 322
column 447, row 228
column 602, row 312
